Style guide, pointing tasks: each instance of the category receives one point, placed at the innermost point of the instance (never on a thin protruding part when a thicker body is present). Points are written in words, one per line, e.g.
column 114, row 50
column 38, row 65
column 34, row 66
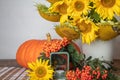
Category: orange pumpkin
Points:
column 30, row 50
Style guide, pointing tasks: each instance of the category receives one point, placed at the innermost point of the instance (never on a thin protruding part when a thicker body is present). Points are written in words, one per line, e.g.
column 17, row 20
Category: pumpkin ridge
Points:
column 39, row 49
column 31, row 50
column 26, row 53
column 18, row 58
column 20, row 53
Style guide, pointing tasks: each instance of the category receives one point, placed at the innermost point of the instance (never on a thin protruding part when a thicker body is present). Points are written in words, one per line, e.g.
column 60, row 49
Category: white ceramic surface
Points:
column 99, row 49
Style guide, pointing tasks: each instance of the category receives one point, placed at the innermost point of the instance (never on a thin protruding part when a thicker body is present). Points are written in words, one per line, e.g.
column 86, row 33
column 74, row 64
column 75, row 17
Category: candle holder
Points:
column 60, row 63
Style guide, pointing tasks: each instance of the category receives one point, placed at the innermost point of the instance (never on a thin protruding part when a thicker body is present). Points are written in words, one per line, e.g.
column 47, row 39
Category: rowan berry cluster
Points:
column 54, row 46
column 87, row 73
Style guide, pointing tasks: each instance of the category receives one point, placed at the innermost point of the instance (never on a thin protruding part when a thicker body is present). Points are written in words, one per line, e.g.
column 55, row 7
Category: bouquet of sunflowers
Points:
column 85, row 19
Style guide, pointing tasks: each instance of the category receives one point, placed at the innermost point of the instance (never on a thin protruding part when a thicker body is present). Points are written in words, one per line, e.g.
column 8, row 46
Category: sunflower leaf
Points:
column 94, row 15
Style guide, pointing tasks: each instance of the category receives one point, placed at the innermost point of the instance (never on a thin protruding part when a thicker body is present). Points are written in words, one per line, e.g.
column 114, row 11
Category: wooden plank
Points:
column 14, row 73
column 8, row 63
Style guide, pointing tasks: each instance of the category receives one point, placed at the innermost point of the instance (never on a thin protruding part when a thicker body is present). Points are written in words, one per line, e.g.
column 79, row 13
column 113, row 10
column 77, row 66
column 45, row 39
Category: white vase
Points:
column 99, row 49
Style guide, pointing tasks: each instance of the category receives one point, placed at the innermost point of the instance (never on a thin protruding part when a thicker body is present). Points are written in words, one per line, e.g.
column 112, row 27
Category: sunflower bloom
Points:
column 59, row 7
column 88, row 30
column 67, row 30
column 40, row 70
column 78, row 7
column 106, row 32
column 107, row 8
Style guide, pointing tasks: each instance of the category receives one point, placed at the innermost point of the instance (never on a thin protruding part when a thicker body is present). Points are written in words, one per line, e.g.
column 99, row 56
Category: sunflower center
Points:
column 79, row 6
column 84, row 27
column 108, row 3
column 63, row 8
column 41, row 71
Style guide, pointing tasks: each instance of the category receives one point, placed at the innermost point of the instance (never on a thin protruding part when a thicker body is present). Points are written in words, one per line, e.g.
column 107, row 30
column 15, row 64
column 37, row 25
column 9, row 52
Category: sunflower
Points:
column 106, row 32
column 78, row 7
column 107, row 8
column 59, row 7
column 67, row 30
column 43, row 11
column 40, row 70
column 88, row 30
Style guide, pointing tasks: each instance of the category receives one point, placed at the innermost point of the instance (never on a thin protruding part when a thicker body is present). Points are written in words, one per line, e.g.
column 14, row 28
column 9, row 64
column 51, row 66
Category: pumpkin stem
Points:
column 48, row 37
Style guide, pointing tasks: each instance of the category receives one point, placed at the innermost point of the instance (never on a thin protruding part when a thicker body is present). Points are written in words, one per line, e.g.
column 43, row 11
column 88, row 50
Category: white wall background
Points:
column 20, row 21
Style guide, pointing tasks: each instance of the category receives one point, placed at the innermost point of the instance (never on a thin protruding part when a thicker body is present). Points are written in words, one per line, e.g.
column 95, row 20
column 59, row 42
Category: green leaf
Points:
column 42, row 56
column 94, row 15
column 114, row 19
column 71, row 48
column 112, row 76
column 89, row 58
